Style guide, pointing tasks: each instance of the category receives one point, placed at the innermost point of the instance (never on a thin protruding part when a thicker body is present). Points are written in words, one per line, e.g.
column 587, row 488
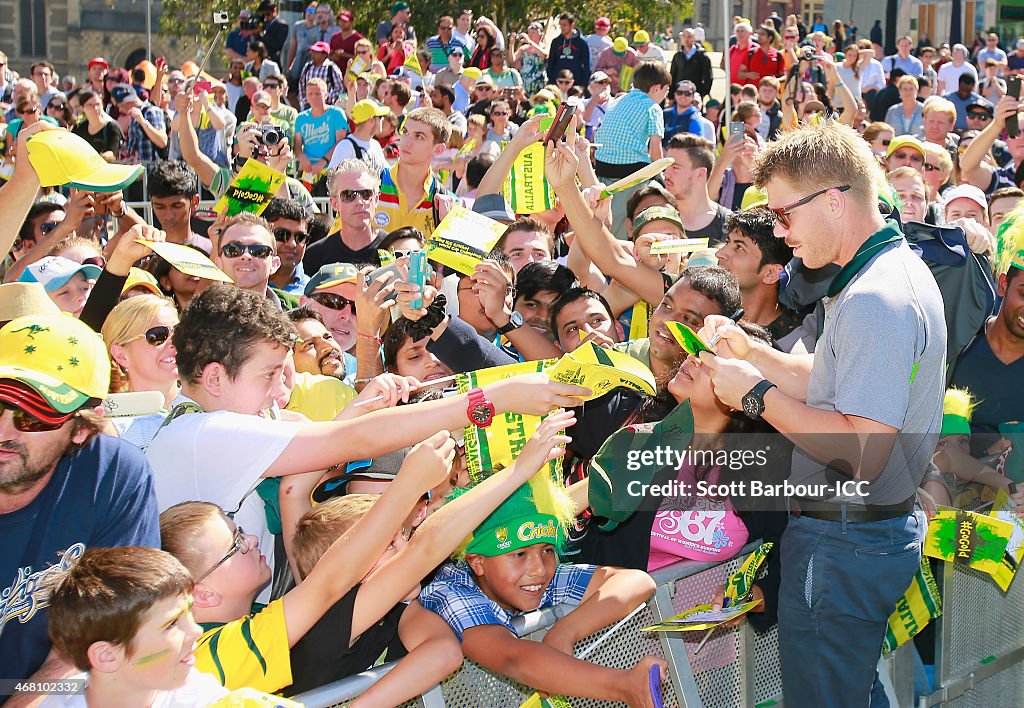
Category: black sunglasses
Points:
column 684, row 93
column 256, row 250
column 979, row 116
column 25, row 422
column 283, row 235
column 333, row 301
column 349, row 195
column 886, row 143
column 48, row 227
column 155, row 336
column 54, row 104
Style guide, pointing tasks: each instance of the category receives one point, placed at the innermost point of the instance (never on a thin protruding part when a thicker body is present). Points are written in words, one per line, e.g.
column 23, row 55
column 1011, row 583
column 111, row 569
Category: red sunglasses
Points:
column 782, row 213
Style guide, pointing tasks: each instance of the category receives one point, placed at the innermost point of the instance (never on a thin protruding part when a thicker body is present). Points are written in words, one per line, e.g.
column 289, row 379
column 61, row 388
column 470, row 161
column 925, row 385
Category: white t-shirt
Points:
column 220, row 457
column 949, row 75
column 199, row 690
column 373, row 154
column 652, row 53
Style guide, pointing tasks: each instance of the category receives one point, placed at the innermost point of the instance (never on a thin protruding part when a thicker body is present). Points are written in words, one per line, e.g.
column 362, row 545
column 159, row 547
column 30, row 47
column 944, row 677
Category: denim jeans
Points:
column 840, row 582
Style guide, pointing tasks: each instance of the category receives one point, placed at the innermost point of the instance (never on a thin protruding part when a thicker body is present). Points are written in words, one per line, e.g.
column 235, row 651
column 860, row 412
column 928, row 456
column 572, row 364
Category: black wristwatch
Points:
column 515, row 321
column 753, row 402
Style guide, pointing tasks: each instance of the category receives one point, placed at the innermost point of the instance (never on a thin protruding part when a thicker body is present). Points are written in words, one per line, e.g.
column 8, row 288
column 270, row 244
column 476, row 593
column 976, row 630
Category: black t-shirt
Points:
column 322, row 656
column 109, row 138
column 715, row 231
column 982, row 373
column 333, row 250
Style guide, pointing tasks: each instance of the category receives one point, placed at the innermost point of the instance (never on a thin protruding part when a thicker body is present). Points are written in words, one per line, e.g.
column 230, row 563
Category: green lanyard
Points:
column 890, row 233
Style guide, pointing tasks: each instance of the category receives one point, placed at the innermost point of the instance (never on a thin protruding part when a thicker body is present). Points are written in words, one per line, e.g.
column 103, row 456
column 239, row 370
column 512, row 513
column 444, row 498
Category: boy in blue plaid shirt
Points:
column 511, row 567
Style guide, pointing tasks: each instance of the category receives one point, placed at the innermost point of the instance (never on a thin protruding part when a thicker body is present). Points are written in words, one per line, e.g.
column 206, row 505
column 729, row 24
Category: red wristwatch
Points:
column 480, row 410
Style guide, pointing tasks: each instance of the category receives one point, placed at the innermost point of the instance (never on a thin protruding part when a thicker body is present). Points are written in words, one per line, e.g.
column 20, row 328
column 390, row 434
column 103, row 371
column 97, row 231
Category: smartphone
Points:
column 736, row 128
column 390, row 268
column 562, row 118
column 1013, row 89
column 419, row 273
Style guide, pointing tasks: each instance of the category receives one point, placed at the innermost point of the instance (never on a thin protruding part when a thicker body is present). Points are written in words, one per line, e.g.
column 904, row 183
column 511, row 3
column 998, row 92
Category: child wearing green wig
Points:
column 510, row 567
column 953, row 452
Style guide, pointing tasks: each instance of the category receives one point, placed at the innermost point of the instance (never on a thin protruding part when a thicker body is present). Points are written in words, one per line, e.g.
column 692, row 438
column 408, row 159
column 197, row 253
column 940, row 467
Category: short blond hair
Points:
column 941, row 156
column 127, row 321
column 317, row 81
column 820, row 157
column 939, row 105
column 181, row 527
column 324, row 524
column 434, row 119
column 907, row 79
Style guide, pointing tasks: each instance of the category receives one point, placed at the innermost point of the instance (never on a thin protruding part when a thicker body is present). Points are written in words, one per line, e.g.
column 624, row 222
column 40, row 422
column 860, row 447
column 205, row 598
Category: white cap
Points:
column 965, row 191
column 53, row 272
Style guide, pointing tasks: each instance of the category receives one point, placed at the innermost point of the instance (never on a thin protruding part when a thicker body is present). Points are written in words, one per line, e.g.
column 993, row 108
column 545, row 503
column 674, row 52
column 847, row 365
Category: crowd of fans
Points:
column 296, row 505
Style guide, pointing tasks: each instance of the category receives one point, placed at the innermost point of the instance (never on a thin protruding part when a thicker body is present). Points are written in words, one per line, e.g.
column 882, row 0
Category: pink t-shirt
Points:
column 695, row 527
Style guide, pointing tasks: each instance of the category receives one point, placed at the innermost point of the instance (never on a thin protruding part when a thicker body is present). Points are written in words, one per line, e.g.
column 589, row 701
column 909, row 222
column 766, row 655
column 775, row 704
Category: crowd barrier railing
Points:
column 145, row 209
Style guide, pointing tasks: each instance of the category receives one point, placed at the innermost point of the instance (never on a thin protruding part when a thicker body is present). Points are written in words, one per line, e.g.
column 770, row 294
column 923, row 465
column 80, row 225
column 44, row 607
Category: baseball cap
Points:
column 138, row 278
column 602, row 22
column 472, row 72
column 905, row 141
column 485, row 79
column 57, row 356
column 20, row 299
column 98, row 61
column 620, row 45
column 494, row 206
column 641, row 37
column 380, row 469
column 457, row 50
column 366, row 109
column 599, row 76
column 322, row 47
column 330, row 275
column 657, row 213
column 686, row 83
column 60, row 157
column 124, row 93
column 961, row 191
column 983, row 104
column 54, row 272
column 346, row 15
column 266, row 6
column 515, row 524
column 398, row 7
column 260, row 97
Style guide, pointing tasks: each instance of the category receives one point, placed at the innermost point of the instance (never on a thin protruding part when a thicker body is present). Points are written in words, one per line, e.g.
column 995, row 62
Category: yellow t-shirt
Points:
column 394, row 210
column 319, row 398
column 252, row 651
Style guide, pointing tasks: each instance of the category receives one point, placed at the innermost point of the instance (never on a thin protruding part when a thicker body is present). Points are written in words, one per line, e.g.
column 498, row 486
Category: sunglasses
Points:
column 499, row 113
column 240, row 544
column 48, row 227
column 349, row 195
column 684, row 93
column 175, row 81
column 283, row 235
column 929, row 167
column 155, row 336
column 782, row 213
column 54, row 104
column 887, row 143
column 25, row 422
column 333, row 301
column 565, row 81
column 271, row 86
column 256, row 250
column 27, row 111
column 979, row 116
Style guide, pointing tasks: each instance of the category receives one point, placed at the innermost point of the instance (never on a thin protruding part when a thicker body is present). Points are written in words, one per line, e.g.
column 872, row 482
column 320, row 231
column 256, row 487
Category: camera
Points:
column 806, row 53
column 269, row 135
column 250, row 23
column 221, row 18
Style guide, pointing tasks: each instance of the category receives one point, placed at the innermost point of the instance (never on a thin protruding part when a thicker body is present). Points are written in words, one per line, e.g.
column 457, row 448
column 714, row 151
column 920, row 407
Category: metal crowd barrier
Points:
column 145, row 209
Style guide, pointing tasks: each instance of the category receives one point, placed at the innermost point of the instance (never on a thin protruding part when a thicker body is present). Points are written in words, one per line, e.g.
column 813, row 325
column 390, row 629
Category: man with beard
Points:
column 331, row 293
column 289, row 224
column 62, row 487
column 316, row 349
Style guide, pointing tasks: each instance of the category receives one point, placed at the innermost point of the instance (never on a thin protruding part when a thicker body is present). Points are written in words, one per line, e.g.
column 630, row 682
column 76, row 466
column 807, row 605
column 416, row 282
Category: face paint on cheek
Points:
column 150, row 658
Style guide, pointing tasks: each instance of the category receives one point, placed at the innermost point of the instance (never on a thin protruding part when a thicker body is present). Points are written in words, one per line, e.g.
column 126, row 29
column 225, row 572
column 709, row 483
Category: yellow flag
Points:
column 626, row 77
column 412, row 62
column 251, row 189
column 527, row 189
column 463, row 239
column 639, row 323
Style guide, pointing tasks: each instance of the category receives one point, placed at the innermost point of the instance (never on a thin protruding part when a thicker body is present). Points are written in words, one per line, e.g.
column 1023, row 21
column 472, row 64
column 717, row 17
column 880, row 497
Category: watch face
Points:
column 516, row 319
column 481, row 414
column 752, row 406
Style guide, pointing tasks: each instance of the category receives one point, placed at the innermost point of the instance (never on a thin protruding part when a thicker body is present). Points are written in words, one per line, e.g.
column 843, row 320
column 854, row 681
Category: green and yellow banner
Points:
column 920, row 604
column 526, row 189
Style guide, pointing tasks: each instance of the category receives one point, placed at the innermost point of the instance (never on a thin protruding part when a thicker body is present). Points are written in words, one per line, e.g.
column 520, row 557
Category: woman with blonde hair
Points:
column 138, row 333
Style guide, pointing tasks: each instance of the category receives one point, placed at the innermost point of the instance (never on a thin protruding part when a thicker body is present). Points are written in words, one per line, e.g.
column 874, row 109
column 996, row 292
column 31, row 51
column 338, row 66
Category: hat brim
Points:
column 327, row 285
column 90, row 271
column 59, row 395
column 109, row 178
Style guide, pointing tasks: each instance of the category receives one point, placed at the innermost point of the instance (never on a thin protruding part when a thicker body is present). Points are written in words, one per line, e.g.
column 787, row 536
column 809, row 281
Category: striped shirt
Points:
column 252, row 651
column 394, row 210
column 626, row 129
column 439, row 51
column 329, row 72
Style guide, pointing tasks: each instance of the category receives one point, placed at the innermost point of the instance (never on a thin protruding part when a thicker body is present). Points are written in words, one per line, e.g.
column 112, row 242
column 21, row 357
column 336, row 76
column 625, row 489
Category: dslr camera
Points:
column 250, row 23
column 806, row 53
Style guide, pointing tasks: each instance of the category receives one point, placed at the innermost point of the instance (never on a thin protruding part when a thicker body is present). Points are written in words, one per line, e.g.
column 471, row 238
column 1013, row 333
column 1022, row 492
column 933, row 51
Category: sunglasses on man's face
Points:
column 333, row 301
column 349, row 195
column 256, row 250
column 979, row 116
column 25, row 422
column 271, row 86
column 283, row 235
column 684, row 93
column 782, row 213
column 48, row 227
column 155, row 336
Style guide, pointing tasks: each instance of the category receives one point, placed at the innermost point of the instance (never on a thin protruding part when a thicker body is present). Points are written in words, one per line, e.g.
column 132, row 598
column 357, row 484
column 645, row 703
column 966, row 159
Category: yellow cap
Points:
column 905, row 141
column 138, row 278
column 620, row 45
column 62, row 158
column 641, row 37
column 472, row 72
column 366, row 109
column 58, row 356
